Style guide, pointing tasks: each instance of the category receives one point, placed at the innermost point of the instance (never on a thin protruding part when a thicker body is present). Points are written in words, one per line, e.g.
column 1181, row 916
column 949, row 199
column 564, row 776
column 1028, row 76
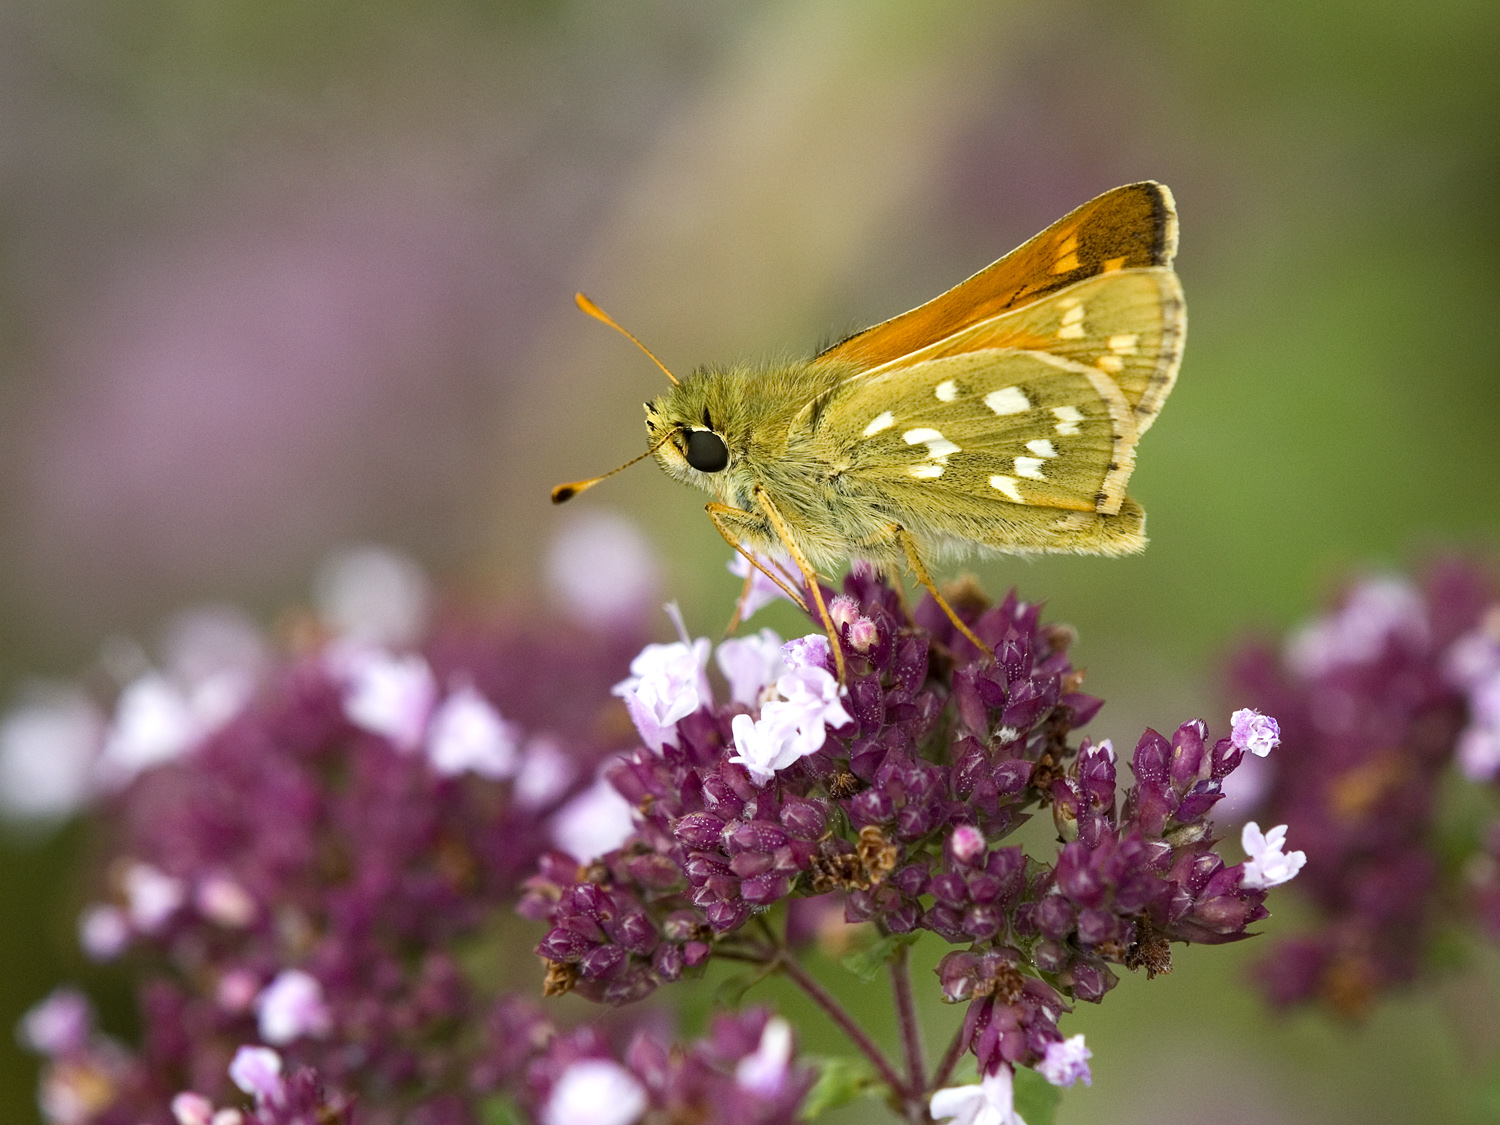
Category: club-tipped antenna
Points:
column 603, row 317
column 565, row 492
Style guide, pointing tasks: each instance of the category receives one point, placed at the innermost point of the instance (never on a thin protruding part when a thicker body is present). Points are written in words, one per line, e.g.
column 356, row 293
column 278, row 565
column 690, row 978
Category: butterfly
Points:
column 1001, row 416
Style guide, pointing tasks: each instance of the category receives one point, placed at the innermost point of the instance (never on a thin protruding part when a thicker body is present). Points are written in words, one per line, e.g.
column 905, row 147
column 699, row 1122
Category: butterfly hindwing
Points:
column 1130, row 227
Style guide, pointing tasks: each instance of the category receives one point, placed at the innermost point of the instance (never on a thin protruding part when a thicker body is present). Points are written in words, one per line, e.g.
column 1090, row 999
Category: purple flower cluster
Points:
column 892, row 790
column 1377, row 700
column 305, row 875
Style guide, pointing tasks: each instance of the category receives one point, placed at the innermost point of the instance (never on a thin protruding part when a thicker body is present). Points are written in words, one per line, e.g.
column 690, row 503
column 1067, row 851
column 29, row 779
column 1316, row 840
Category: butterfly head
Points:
column 688, row 441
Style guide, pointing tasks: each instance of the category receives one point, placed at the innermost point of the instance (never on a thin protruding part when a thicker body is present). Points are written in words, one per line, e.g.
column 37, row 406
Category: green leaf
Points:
column 840, row 1081
column 499, row 1110
column 867, row 963
column 1036, row 1098
column 731, row 990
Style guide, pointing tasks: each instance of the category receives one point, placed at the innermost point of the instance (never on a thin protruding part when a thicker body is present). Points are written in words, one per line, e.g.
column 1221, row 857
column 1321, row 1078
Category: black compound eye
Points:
column 706, row 451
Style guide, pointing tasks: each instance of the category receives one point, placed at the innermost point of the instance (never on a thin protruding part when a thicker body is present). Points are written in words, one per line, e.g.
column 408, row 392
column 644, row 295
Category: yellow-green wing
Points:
column 1018, row 432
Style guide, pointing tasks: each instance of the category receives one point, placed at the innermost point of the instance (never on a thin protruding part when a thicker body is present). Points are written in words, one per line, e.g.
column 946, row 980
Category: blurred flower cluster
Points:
column 890, row 793
column 315, row 847
column 1379, row 700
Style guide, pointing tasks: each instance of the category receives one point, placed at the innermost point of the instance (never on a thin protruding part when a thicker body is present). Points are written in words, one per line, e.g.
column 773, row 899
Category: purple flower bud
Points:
column 765, row 889
column 863, row 635
column 843, row 611
column 757, row 836
column 1187, row 753
column 563, row 945
column 1053, row 917
column 668, row 961
column 699, row 830
column 726, row 916
column 983, row 921
column 603, row 962
column 804, row 819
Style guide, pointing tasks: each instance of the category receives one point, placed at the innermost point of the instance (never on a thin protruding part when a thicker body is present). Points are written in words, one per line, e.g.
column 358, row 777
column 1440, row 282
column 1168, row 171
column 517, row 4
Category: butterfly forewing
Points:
column 1128, row 228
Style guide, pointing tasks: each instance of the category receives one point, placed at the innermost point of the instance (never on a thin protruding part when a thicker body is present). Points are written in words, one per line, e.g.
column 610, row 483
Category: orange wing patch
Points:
column 1131, row 226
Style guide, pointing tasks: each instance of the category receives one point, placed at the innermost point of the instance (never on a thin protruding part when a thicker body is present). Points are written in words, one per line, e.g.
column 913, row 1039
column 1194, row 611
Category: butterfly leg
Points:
column 724, row 517
column 739, row 605
column 914, row 560
column 835, row 644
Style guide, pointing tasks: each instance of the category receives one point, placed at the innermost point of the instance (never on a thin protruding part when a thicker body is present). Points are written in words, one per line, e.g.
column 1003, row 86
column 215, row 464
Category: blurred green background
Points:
column 276, row 275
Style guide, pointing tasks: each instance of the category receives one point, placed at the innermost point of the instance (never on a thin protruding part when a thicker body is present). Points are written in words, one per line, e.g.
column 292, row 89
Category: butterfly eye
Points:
column 706, row 451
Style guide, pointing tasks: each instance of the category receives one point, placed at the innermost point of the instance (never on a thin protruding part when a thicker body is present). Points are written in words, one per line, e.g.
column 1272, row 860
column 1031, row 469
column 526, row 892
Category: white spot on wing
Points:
column 926, row 472
column 1111, row 363
column 1007, row 400
column 1068, row 418
column 1123, row 344
column 1072, row 324
column 1041, row 447
column 1029, row 467
column 946, row 391
column 882, row 421
column 941, row 448
column 1006, row 485
column 921, row 433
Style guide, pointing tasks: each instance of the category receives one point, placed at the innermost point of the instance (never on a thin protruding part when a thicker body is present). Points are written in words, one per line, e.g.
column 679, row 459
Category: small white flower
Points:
column 810, row 651
column 192, row 1109
column 545, row 773
column 596, row 821
column 602, row 571
column 467, row 733
column 991, row 1102
column 292, row 1006
column 373, row 596
column 390, row 695
column 1375, row 612
column 237, row 990
column 595, row 1092
column 1479, row 753
column 762, row 590
column 151, row 896
column 816, row 696
column 1252, row 731
column 789, row 728
column 763, row 1072
column 103, row 932
column 257, row 1071
column 220, row 899
column 750, row 664
column 1484, row 702
column 59, row 1025
column 1067, row 1062
column 154, row 723
column 47, row 749
column 968, row 843
column 1472, row 659
column 1267, row 866
column 666, row 683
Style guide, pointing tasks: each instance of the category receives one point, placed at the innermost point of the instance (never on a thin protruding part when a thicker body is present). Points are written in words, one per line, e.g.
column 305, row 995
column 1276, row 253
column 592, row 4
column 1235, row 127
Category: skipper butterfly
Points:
column 1002, row 416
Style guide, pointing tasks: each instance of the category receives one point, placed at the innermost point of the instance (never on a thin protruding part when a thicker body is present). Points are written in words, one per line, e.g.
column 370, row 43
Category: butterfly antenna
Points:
column 565, row 492
column 600, row 315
